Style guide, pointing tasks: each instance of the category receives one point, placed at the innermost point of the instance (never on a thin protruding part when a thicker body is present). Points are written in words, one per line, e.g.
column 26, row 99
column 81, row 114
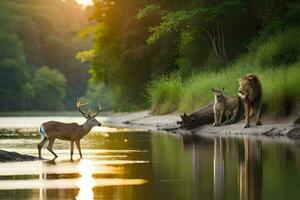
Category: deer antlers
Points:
column 99, row 109
column 87, row 114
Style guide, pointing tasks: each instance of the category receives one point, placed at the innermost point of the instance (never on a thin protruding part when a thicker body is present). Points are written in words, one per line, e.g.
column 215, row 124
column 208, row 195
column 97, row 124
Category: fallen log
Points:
column 203, row 116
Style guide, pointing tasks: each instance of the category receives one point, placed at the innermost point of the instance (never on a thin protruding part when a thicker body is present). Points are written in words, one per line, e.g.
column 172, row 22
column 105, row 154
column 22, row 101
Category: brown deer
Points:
column 72, row 132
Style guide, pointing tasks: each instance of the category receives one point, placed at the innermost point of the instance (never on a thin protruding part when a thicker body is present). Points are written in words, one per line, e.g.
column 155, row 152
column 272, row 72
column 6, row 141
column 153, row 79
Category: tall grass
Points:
column 164, row 94
column 280, row 87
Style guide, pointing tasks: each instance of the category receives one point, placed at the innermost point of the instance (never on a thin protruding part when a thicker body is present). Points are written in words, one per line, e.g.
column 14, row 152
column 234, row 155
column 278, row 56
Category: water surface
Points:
column 141, row 165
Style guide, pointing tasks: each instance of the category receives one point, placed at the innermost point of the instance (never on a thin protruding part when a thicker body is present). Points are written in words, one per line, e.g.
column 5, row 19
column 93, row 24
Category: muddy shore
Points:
column 144, row 120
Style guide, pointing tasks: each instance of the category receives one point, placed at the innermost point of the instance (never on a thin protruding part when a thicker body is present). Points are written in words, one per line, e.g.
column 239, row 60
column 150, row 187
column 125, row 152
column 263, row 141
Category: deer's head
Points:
column 91, row 118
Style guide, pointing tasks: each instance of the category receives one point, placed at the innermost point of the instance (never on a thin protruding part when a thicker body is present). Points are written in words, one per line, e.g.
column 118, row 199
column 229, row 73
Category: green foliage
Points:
column 192, row 39
column 179, row 20
column 34, row 33
column 50, row 86
column 164, row 94
column 14, row 88
column 281, row 48
column 149, row 10
column 10, row 47
column 120, row 57
column 102, row 93
column 171, row 22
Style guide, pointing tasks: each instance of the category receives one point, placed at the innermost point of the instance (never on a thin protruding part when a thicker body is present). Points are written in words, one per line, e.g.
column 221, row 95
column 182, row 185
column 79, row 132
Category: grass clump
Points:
column 164, row 94
column 281, row 88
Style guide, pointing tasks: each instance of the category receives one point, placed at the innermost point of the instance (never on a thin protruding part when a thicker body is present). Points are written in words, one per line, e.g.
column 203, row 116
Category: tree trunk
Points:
column 216, row 36
column 219, row 44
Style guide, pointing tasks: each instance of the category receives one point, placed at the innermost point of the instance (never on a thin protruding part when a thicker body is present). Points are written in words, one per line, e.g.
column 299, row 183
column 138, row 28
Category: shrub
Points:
column 14, row 86
column 282, row 48
column 164, row 94
column 50, row 86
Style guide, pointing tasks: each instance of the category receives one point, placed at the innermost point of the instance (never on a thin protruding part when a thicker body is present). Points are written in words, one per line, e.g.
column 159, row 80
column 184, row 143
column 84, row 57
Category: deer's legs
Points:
column 78, row 147
column 50, row 145
column 72, row 148
column 40, row 146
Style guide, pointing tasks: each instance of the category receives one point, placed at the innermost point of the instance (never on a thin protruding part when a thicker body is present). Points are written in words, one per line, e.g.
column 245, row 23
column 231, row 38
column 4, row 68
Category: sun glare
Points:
column 85, row 3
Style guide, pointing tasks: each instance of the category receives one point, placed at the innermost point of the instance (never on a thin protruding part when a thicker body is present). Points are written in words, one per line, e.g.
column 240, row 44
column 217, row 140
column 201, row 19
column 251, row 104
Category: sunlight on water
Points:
column 85, row 168
column 63, row 167
column 139, row 165
column 86, row 182
column 67, row 183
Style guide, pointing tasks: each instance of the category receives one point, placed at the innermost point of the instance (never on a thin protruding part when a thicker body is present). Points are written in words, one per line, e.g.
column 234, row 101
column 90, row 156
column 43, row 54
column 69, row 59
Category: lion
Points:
column 250, row 92
column 224, row 106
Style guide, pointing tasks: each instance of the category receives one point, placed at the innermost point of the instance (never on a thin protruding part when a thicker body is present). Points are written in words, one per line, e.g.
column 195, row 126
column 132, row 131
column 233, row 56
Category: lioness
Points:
column 250, row 91
column 224, row 105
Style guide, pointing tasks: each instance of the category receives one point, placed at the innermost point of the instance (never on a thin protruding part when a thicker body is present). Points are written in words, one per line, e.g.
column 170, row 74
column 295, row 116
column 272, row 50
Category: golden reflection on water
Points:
column 86, row 182
column 85, row 168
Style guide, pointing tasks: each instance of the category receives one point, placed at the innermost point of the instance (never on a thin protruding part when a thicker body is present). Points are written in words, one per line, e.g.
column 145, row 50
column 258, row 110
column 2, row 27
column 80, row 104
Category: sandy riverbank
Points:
column 144, row 120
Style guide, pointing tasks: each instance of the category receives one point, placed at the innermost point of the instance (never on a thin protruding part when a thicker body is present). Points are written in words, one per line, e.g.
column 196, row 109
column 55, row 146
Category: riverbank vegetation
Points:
column 169, row 54
column 275, row 61
column 135, row 54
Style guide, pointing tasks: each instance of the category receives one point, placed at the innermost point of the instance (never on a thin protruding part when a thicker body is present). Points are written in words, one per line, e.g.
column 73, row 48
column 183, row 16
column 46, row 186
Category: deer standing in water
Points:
column 72, row 132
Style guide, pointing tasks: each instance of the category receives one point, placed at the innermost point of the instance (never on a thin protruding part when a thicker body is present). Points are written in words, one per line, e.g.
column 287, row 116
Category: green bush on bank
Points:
column 282, row 48
column 164, row 94
column 50, row 89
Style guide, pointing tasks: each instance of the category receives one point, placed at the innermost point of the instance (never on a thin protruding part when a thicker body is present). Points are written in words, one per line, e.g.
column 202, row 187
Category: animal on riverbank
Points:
column 250, row 91
column 224, row 105
column 72, row 132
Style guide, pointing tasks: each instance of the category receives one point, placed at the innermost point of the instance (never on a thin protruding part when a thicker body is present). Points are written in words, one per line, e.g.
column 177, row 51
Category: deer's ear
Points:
column 212, row 89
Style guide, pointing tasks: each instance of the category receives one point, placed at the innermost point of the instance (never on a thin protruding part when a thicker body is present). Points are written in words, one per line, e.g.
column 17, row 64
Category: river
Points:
column 123, row 164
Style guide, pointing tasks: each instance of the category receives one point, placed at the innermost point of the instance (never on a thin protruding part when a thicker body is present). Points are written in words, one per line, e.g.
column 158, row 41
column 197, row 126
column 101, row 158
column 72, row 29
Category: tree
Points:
column 15, row 89
column 37, row 33
column 50, row 89
column 120, row 57
column 210, row 16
